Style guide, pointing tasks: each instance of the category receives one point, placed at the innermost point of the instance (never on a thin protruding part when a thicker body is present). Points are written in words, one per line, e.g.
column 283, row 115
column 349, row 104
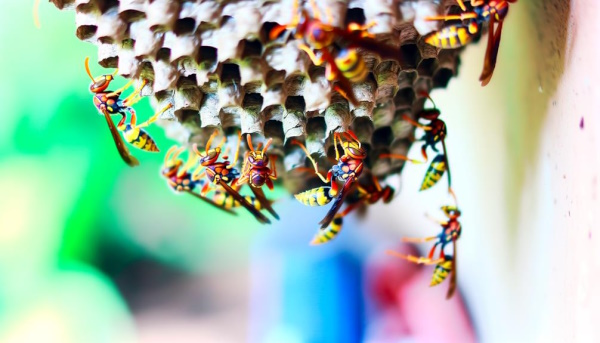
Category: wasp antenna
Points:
column 169, row 152
column 36, row 14
column 87, row 68
column 249, row 139
column 267, row 144
column 195, row 149
column 177, row 153
column 210, row 139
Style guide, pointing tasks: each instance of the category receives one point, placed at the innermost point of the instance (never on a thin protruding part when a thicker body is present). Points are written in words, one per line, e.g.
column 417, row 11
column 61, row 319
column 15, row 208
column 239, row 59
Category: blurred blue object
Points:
column 302, row 293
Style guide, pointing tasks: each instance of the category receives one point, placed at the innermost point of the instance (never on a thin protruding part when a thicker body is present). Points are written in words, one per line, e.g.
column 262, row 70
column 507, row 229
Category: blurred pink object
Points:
column 407, row 309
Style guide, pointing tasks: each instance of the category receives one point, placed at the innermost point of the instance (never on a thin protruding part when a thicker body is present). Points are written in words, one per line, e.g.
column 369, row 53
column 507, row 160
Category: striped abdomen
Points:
column 315, row 197
column 453, row 36
column 441, row 271
column 325, row 235
column 139, row 139
column 352, row 65
column 434, row 172
column 227, row 201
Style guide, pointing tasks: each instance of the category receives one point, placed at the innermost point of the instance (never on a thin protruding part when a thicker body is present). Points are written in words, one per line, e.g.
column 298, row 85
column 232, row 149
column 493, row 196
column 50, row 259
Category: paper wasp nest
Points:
column 214, row 61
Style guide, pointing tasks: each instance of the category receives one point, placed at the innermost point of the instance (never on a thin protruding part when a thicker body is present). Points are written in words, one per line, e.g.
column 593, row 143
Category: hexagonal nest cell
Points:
column 214, row 61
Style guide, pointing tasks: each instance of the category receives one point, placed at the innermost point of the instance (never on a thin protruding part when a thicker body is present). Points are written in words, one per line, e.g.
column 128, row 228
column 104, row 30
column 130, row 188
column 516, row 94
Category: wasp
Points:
column 366, row 196
column 221, row 173
column 135, row 134
column 343, row 63
column 180, row 179
column 459, row 35
column 256, row 172
column 435, row 132
column 347, row 170
column 451, row 231
column 109, row 103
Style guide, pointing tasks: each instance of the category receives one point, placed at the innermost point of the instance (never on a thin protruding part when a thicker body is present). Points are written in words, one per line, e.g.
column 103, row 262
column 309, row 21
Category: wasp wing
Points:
column 264, row 202
column 337, row 204
column 259, row 216
column 452, row 286
column 121, row 147
column 210, row 202
column 491, row 53
column 384, row 51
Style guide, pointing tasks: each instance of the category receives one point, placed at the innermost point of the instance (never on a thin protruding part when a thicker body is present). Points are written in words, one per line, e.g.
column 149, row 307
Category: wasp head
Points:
column 354, row 150
column 451, row 212
column 210, row 157
column 99, row 84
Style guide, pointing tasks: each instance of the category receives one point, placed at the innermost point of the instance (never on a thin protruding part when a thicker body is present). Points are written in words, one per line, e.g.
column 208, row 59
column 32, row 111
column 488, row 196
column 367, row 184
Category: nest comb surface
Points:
column 214, row 62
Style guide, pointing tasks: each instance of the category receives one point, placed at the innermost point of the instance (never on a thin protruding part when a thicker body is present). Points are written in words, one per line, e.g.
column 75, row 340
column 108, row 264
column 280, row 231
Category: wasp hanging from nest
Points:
column 257, row 172
column 222, row 173
column 458, row 35
column 435, row 132
column 321, row 42
column 367, row 195
column 110, row 103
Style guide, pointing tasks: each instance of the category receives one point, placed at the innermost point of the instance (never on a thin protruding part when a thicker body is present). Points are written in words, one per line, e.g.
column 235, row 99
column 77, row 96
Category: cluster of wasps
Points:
column 338, row 49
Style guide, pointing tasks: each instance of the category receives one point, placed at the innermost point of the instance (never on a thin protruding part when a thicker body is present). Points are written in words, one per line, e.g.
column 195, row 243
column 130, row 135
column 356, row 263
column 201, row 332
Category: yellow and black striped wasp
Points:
column 109, row 103
column 257, row 172
column 347, row 170
column 459, row 35
column 321, row 43
column 451, row 230
column 434, row 132
column 180, row 179
column 221, row 173
column 367, row 195
column 135, row 134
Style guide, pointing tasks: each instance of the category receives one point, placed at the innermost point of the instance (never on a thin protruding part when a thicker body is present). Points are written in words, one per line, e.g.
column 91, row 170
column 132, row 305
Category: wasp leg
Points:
column 135, row 96
column 120, row 90
column 418, row 240
column 311, row 54
column 462, row 16
column 415, row 259
column 314, row 163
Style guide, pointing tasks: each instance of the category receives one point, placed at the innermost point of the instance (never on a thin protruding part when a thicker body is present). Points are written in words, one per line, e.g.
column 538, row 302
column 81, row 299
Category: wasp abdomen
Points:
column 441, row 271
column 315, row 197
column 351, row 65
column 434, row 172
column 450, row 37
column 326, row 235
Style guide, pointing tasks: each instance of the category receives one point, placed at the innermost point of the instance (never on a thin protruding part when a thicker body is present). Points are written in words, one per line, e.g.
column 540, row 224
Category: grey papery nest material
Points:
column 214, row 62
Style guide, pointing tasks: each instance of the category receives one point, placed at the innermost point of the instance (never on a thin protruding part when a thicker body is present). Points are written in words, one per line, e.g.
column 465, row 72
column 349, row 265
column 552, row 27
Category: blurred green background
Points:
column 72, row 214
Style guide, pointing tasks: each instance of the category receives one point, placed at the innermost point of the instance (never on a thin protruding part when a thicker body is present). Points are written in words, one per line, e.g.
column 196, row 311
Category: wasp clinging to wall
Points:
column 434, row 132
column 459, row 35
column 451, row 231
